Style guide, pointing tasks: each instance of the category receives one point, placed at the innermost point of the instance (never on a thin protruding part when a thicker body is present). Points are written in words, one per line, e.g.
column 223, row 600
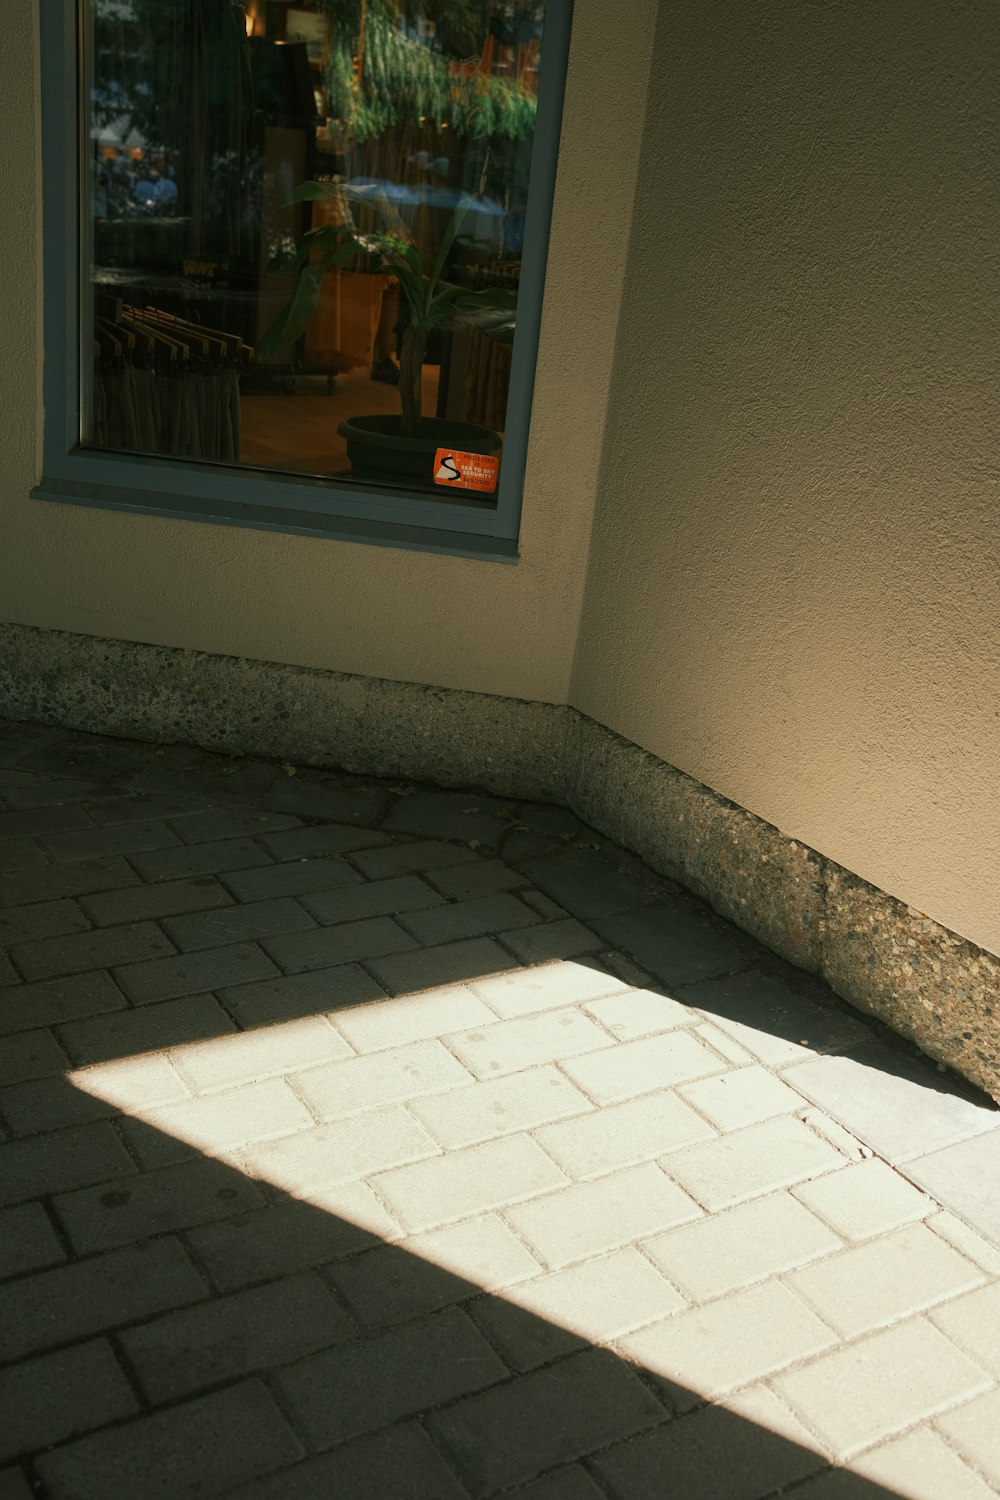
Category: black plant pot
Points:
column 378, row 451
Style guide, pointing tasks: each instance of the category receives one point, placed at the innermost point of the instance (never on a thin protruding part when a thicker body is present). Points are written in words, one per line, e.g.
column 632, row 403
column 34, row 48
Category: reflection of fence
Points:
column 487, row 371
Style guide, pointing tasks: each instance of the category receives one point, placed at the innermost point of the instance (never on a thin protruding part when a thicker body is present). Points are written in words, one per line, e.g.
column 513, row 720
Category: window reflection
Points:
column 308, row 222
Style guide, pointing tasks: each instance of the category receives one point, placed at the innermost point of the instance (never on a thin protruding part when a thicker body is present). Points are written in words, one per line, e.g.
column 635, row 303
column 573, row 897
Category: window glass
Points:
column 303, row 234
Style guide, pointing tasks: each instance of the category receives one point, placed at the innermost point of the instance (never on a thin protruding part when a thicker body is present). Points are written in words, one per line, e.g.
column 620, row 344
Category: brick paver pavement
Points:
column 369, row 1142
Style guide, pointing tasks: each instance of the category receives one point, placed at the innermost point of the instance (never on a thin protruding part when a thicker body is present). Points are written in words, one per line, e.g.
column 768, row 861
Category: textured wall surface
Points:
column 408, row 616
column 794, row 592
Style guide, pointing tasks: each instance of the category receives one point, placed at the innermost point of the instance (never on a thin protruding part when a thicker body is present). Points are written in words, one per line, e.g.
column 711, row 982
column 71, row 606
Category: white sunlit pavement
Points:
column 366, row 1141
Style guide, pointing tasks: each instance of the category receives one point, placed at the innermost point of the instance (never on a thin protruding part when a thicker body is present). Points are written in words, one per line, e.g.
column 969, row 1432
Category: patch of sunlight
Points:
column 431, row 1121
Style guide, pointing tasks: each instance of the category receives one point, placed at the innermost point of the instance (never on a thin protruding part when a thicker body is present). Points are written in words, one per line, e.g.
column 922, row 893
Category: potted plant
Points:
column 401, row 447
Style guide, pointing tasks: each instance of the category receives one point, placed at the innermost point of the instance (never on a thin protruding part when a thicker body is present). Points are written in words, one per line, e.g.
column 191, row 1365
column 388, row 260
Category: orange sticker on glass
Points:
column 465, row 471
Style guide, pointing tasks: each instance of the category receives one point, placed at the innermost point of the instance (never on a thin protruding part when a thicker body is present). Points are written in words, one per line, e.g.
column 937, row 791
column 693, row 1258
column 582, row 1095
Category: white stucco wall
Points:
column 794, row 591
column 418, row 617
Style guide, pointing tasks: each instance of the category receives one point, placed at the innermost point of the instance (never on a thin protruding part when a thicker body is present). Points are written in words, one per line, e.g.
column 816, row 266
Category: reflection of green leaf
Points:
column 291, row 323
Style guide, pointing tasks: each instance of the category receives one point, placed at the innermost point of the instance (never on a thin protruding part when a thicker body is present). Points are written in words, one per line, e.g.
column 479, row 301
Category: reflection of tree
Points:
column 442, row 67
column 174, row 72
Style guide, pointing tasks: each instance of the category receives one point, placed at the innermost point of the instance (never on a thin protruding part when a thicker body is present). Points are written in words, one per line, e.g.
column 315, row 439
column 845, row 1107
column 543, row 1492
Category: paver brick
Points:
column 71, row 879
column 8, row 974
column 570, row 1483
column 19, row 854
column 595, row 885
column 295, row 879
column 601, row 1299
column 776, row 1025
column 234, row 924
column 726, row 1251
column 128, row 838
column 451, row 815
column 923, row 1467
column 399, row 1461
column 482, row 1111
column 41, row 920
column 22, row 789
column 218, row 1124
column 393, row 1077
column 564, row 939
column 678, row 940
column 745, row 1096
column 731, row 1342
column 744, row 1453
column 387, row 1378
column 266, row 1052
column 894, row 1104
column 638, row 1013
column 466, row 919
column 28, row 1241
column 590, row 1218
column 327, row 946
column 129, row 1032
column 411, row 1018
column 627, row 1069
column 14, row 1485
column 229, row 823
column 232, row 1336
column 192, row 973
column 622, row 1134
column 395, row 1283
column 36, row 822
column 132, row 1083
column 49, row 1104
column 329, row 1154
column 60, row 1160
column 314, row 795
column 890, row 1278
column 30, row 1054
column 484, row 878
column 175, row 1197
column 873, row 1389
column 547, row 987
column 90, row 1296
column 865, row 1199
column 147, row 902
column 956, row 1174
column 276, row 1240
column 56, row 1396
column 101, row 948
column 201, row 1447
column 198, row 859
column 319, row 841
column 974, row 1429
column 757, row 1160
column 428, row 968
column 288, row 995
column 972, row 1245
column 375, row 898
column 548, row 1417
column 49, row 1001
column 412, row 859
column 973, row 1323
column 472, row 1181
column 524, row 1341
column 507, row 1046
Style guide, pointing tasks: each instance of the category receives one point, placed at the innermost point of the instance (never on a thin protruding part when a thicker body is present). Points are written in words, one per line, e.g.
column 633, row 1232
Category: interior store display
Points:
column 353, row 173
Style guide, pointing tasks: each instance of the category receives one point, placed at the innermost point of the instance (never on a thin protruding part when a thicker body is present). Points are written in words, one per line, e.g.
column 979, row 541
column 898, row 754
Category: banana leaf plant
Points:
column 432, row 301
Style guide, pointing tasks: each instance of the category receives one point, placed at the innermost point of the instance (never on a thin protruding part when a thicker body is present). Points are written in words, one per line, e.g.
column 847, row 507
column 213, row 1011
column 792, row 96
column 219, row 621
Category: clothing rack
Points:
column 165, row 385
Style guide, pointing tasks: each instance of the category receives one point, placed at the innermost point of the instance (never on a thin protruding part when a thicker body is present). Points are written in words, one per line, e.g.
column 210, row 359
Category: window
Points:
column 304, row 285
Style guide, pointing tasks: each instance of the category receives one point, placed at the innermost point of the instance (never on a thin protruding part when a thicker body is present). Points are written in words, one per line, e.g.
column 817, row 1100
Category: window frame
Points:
column 250, row 497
